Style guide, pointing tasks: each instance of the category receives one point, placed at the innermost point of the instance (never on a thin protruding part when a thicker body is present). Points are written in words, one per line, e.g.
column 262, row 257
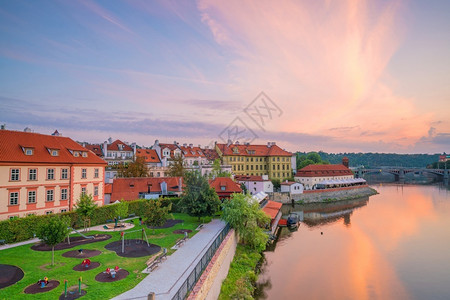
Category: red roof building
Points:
column 225, row 187
column 311, row 175
column 273, row 210
column 150, row 156
column 129, row 189
column 43, row 174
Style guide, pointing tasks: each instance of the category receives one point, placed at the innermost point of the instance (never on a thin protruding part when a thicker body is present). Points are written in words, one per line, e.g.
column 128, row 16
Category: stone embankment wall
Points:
column 311, row 196
column 208, row 286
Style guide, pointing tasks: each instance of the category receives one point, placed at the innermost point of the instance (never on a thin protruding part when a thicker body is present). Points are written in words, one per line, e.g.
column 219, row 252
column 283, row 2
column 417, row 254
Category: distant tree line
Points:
column 369, row 160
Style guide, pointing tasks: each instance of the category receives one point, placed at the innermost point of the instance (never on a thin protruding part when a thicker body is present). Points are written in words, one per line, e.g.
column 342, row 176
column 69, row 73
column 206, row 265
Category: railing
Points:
column 195, row 274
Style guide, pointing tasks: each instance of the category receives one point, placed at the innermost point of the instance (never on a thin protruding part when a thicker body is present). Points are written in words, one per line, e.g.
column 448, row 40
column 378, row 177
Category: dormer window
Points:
column 222, row 188
column 55, row 152
column 29, row 151
column 120, row 147
column 76, row 153
column 84, row 154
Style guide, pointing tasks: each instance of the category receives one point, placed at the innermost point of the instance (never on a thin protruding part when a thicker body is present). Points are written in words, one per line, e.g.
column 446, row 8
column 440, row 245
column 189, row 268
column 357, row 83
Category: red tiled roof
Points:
column 228, row 183
column 150, row 155
column 272, row 208
column 323, row 171
column 170, row 146
column 11, row 143
column 129, row 188
column 252, row 150
column 249, row 178
column 192, row 151
column 211, row 154
column 108, row 188
column 114, row 146
column 97, row 149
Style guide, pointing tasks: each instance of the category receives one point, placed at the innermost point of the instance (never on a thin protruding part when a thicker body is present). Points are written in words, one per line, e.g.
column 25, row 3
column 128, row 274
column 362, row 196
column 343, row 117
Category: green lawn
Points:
column 37, row 264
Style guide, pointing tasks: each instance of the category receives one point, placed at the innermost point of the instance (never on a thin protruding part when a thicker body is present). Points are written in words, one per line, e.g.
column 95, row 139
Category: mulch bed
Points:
column 74, row 242
column 103, row 277
column 86, row 253
column 80, row 267
column 71, row 295
column 9, row 275
column 133, row 248
column 169, row 223
column 182, row 231
column 36, row 288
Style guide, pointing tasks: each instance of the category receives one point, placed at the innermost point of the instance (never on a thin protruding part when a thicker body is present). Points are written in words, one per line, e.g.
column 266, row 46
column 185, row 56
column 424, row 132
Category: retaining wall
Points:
column 311, row 196
column 208, row 286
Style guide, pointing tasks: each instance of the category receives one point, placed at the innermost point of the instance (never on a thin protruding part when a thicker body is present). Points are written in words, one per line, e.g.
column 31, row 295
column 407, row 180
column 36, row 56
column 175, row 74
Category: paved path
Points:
column 166, row 279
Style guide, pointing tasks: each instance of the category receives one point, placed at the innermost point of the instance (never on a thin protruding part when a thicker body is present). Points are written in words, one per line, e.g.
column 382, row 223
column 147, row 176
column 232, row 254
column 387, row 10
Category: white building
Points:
column 291, row 187
column 255, row 184
column 311, row 175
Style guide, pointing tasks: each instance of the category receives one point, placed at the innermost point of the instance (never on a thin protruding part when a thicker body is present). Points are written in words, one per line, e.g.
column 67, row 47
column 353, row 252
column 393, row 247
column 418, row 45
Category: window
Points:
column 64, row 173
column 63, row 210
column 15, row 174
column 222, row 188
column 63, row 194
column 49, row 195
column 84, row 154
column 50, row 174
column 55, row 152
column 32, row 174
column 49, row 212
column 28, row 151
column 83, row 173
column 95, row 173
column 31, row 196
column 76, row 153
column 95, row 190
column 14, row 198
column 83, row 191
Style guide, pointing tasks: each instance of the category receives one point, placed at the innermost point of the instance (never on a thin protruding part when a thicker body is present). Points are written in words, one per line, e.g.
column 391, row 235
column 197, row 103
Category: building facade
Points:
column 44, row 174
column 258, row 160
column 255, row 184
column 311, row 175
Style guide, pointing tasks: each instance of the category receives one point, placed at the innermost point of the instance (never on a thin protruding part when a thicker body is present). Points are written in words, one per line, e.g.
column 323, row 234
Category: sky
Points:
column 336, row 76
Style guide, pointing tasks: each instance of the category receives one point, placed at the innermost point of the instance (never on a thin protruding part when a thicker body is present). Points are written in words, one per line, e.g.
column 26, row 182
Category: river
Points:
column 395, row 245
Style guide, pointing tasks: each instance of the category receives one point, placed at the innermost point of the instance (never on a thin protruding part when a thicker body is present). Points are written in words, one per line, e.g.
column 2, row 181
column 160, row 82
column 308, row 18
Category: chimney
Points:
column 190, row 145
column 237, row 142
column 206, row 147
column 134, row 148
column 229, row 142
column 184, row 145
column 110, row 140
column 199, row 145
column 268, row 144
column 345, row 161
column 105, row 149
column 83, row 144
column 156, row 142
column 175, row 142
column 27, row 129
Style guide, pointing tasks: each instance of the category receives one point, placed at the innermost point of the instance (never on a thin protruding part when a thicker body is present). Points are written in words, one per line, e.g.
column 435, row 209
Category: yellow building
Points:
column 247, row 159
column 44, row 174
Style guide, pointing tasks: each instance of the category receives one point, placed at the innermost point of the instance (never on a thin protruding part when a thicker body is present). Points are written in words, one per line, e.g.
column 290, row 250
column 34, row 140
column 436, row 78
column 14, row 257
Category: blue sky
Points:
column 346, row 75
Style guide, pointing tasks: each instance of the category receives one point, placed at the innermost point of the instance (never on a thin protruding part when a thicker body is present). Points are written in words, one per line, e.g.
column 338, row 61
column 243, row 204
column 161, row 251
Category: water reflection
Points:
column 396, row 248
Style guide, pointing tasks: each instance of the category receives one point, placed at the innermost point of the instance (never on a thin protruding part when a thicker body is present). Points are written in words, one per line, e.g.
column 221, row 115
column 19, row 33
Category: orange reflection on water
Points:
column 351, row 262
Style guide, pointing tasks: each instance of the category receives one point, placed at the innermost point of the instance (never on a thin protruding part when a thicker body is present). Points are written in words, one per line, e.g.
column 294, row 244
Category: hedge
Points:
column 22, row 229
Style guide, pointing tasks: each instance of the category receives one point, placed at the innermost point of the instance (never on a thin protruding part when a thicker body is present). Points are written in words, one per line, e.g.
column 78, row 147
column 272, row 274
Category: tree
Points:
column 217, row 170
column 177, row 168
column 276, row 184
column 244, row 215
column 85, row 208
column 54, row 232
column 155, row 214
column 137, row 168
column 244, row 188
column 198, row 199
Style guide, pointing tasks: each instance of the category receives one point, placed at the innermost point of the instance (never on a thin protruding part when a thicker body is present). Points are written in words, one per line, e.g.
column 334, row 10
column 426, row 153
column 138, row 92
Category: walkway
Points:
column 165, row 280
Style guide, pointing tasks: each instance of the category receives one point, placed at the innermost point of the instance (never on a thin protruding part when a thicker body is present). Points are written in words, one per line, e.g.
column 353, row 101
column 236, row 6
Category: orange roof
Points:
column 97, row 149
column 249, row 178
column 252, row 150
column 114, row 146
column 227, row 182
column 323, row 171
column 150, row 155
column 272, row 208
column 211, row 154
column 13, row 144
column 129, row 188
column 108, row 188
column 192, row 151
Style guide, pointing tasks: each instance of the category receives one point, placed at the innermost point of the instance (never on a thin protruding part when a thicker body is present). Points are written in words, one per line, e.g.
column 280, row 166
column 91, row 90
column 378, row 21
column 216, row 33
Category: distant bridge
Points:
column 399, row 172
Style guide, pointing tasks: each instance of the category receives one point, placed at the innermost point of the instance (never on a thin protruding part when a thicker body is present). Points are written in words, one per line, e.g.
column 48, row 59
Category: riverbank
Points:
column 331, row 195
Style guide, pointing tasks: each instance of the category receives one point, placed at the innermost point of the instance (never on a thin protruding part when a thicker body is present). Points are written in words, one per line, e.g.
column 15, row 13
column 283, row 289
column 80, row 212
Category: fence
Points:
column 192, row 279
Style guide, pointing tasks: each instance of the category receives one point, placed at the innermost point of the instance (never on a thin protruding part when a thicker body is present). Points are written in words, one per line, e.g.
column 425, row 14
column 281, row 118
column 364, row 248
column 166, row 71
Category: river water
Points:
column 395, row 245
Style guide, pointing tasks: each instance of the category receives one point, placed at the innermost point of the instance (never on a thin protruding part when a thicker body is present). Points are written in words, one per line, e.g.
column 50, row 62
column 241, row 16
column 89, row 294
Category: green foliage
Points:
column 311, row 158
column 245, row 216
column 244, row 188
column 276, row 184
column 198, row 199
column 369, row 160
column 241, row 278
column 439, row 165
column 137, row 168
column 155, row 213
column 178, row 167
column 121, row 209
column 217, row 170
column 53, row 232
column 85, row 206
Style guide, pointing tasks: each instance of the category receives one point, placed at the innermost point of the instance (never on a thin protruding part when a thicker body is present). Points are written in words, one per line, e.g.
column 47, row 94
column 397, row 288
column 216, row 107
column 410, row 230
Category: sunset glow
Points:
column 369, row 76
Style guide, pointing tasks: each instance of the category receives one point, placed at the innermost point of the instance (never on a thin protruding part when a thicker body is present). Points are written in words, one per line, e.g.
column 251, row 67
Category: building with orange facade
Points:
column 44, row 174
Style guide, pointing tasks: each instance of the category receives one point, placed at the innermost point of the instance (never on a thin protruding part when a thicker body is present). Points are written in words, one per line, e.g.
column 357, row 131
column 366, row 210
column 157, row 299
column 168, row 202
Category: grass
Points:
column 241, row 278
column 36, row 264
